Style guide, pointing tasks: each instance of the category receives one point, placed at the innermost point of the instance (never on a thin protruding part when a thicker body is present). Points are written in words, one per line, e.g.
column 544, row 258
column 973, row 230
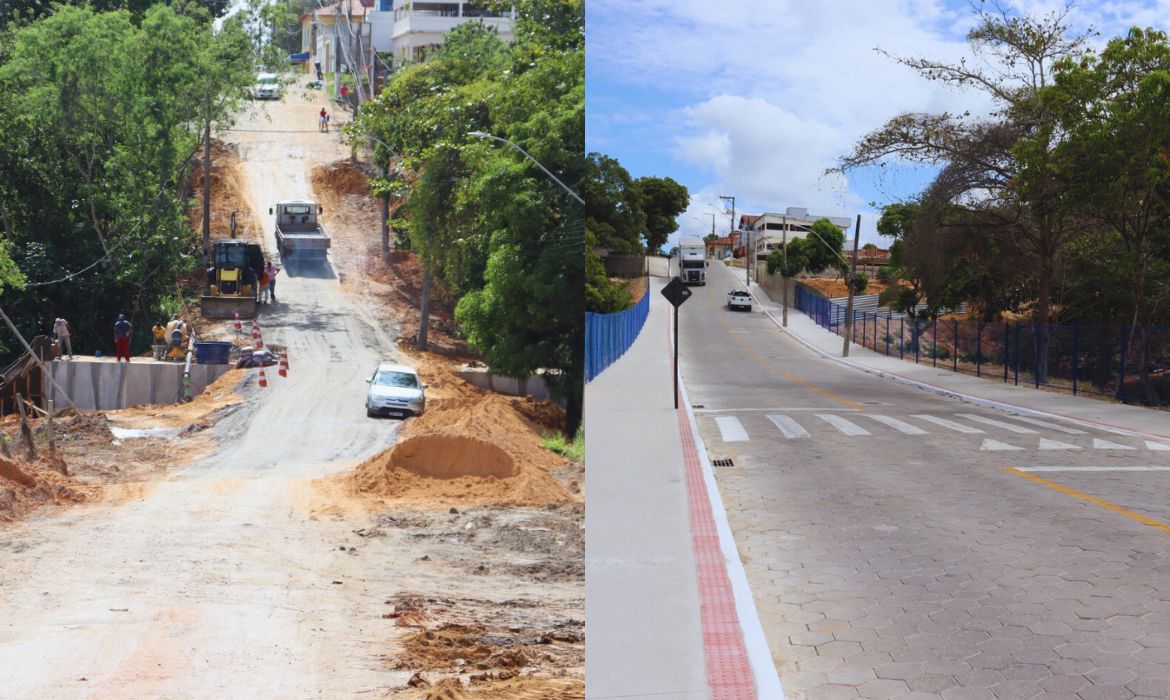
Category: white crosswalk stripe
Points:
column 899, row 425
column 1046, row 444
column 1157, row 446
column 949, row 424
column 1050, row 426
column 997, row 446
column 1099, row 444
column 791, row 429
column 731, row 429
column 996, row 423
column 846, row 427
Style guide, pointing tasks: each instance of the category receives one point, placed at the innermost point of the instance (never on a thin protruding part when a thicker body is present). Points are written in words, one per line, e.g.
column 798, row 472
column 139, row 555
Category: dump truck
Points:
column 232, row 279
column 298, row 232
column 692, row 261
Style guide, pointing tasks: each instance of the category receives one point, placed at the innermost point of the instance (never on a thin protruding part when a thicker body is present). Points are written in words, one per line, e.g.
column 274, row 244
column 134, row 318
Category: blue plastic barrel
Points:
column 212, row 352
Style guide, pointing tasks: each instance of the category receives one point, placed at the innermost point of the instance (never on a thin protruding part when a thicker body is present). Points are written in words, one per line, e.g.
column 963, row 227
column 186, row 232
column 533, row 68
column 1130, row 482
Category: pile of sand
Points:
column 24, row 486
column 219, row 394
column 470, row 447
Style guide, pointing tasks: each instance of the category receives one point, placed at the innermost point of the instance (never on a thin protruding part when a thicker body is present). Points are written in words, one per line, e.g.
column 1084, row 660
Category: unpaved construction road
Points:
column 227, row 579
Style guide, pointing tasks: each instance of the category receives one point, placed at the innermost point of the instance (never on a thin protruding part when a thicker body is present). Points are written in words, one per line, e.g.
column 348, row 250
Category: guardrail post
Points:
column 979, row 348
column 1121, row 377
column 955, row 343
column 1017, row 354
column 1076, row 362
column 934, row 342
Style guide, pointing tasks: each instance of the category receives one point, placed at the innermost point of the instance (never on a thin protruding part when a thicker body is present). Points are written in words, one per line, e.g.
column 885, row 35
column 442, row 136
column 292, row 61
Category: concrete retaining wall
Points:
column 103, row 385
column 533, row 386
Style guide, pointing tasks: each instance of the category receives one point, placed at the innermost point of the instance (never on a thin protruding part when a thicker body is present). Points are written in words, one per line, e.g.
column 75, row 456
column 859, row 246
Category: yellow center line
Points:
column 1143, row 519
column 787, row 375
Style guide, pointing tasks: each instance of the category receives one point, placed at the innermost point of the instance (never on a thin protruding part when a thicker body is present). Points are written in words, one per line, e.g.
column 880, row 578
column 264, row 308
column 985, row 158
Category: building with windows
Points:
column 767, row 231
column 413, row 31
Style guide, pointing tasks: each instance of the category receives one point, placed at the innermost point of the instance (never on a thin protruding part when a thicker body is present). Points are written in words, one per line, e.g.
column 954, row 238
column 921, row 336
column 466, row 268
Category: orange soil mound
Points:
column 227, row 195
column 25, row 486
column 470, row 447
column 511, row 688
column 835, row 288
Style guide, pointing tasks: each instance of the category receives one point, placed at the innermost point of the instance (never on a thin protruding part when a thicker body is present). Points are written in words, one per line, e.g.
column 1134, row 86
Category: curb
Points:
column 951, row 393
column 759, row 654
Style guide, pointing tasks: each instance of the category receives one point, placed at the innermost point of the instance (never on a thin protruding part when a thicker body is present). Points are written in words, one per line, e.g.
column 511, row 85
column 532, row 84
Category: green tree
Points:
column 1000, row 168
column 613, row 210
column 661, row 200
column 103, row 117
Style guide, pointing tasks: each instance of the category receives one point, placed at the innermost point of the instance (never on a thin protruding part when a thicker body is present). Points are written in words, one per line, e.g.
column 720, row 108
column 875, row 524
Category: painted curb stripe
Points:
column 1143, row 519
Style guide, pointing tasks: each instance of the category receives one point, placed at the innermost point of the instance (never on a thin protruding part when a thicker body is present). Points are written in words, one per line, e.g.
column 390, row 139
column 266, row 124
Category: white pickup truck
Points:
column 297, row 229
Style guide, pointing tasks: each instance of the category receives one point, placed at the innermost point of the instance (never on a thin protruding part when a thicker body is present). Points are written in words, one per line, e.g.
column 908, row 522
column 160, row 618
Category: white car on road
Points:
column 267, row 87
column 395, row 390
column 739, row 299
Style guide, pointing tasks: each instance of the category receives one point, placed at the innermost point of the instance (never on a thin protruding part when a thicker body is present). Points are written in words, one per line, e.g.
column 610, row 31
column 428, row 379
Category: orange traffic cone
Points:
column 283, row 371
column 238, row 327
column 256, row 339
column 263, row 378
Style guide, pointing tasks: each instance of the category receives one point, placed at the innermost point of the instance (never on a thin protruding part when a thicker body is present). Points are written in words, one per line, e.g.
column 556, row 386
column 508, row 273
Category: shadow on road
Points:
column 311, row 267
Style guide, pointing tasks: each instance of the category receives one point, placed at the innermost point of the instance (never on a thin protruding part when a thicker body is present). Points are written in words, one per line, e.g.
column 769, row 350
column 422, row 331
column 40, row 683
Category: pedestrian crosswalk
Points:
column 1014, row 437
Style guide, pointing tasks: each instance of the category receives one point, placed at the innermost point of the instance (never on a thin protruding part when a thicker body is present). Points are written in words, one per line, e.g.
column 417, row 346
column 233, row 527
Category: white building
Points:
column 414, row 30
column 767, row 231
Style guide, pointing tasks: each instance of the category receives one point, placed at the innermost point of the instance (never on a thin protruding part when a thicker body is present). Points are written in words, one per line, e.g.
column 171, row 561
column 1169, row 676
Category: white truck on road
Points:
column 297, row 229
column 692, row 261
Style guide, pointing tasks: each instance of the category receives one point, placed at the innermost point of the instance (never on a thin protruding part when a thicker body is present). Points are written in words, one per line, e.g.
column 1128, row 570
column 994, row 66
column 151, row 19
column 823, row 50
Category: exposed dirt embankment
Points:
column 109, row 456
column 470, row 447
column 26, row 485
column 227, row 195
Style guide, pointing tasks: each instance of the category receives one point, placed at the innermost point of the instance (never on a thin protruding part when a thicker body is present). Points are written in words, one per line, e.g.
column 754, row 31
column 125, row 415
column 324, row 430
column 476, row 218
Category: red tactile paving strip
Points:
column 729, row 675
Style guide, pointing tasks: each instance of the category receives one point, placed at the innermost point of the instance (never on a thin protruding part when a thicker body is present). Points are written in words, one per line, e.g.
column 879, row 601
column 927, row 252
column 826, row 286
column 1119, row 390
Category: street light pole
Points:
column 481, row 135
column 731, row 198
column 784, row 275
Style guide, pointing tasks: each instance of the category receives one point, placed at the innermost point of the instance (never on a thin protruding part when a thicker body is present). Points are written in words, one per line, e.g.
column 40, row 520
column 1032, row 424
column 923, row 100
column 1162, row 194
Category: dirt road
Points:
column 224, row 581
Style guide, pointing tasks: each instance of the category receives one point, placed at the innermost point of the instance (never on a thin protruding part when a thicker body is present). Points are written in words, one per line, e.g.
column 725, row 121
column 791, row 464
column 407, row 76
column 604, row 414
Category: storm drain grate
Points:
column 723, row 462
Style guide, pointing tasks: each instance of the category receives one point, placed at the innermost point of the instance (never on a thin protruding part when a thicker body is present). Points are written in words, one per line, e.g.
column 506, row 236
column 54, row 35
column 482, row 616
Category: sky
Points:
column 758, row 98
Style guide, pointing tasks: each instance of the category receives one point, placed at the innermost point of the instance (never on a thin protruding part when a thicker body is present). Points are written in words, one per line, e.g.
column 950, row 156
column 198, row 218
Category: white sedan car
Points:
column 739, row 299
column 395, row 390
column 267, row 87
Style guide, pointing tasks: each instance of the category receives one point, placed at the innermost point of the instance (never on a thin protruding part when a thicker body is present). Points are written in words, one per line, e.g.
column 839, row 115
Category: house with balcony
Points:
column 413, row 31
column 337, row 35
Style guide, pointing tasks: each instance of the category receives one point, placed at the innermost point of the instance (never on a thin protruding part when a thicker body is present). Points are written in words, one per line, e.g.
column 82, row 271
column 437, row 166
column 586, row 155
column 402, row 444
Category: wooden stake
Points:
column 25, row 430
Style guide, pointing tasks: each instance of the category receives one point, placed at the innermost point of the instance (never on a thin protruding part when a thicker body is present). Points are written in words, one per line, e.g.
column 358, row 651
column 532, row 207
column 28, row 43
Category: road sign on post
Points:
column 676, row 293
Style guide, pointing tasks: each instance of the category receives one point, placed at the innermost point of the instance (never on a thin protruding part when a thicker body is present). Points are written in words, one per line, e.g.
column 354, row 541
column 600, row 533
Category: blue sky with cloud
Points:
column 756, row 98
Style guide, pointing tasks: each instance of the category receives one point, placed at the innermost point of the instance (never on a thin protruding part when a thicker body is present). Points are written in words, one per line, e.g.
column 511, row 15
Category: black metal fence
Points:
column 1102, row 360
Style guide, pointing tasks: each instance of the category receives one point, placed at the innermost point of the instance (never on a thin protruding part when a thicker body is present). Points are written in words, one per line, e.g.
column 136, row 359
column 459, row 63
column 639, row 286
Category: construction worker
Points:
column 174, row 333
column 271, row 271
column 159, row 344
column 61, row 332
column 122, row 331
column 264, row 289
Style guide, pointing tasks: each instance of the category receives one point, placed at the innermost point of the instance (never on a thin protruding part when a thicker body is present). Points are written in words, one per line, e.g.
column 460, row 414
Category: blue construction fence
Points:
column 1127, row 363
column 608, row 336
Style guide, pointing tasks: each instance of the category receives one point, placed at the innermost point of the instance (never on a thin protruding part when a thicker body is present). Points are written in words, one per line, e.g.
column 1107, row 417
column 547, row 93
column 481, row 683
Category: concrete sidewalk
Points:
column 988, row 392
column 660, row 613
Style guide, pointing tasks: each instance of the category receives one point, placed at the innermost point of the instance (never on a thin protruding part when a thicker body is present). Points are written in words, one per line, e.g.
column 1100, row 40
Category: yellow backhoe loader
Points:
column 232, row 279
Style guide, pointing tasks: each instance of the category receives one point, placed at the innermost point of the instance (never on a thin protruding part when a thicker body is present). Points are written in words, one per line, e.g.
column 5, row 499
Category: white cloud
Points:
column 777, row 90
column 765, row 154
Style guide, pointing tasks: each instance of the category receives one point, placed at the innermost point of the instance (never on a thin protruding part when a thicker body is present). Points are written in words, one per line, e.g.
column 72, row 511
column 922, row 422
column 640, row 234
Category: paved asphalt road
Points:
column 896, row 544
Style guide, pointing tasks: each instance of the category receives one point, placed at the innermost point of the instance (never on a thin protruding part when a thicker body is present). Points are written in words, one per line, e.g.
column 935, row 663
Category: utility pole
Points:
column 849, row 284
column 207, row 180
column 784, row 274
column 731, row 198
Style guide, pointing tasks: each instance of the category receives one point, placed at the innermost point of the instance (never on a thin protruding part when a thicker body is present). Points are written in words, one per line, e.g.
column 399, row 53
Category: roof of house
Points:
column 357, row 7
